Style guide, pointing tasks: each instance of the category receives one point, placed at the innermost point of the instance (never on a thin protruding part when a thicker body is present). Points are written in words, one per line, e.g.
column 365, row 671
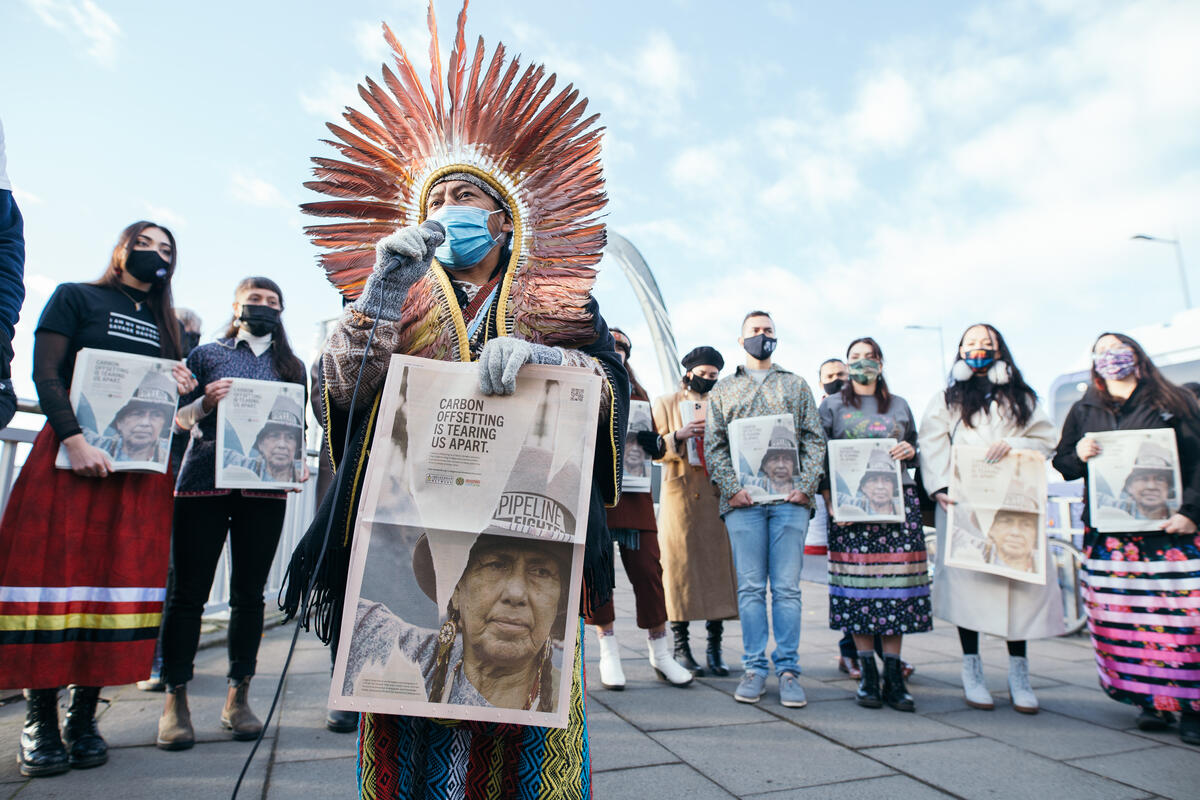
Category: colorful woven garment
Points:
column 1143, row 603
column 879, row 575
column 412, row 757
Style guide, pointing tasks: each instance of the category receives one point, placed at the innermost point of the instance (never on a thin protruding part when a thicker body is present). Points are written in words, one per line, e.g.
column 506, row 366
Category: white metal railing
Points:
column 301, row 506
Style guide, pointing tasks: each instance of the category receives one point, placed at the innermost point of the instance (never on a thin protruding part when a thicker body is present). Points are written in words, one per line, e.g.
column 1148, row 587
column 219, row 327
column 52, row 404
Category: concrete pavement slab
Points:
column 768, row 756
column 854, row 726
column 624, row 745
column 655, row 706
column 672, row 780
column 1047, row 734
column 330, row 778
column 892, row 787
column 1165, row 771
column 1089, row 705
column 982, row 768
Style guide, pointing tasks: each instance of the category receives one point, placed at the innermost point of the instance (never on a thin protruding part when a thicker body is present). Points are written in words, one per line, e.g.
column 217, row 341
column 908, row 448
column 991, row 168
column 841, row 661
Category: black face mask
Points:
column 834, row 386
column 146, row 266
column 701, row 385
column 259, row 320
column 760, row 346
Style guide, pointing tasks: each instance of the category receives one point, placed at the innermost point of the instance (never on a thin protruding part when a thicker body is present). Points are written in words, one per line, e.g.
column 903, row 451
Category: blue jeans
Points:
column 768, row 543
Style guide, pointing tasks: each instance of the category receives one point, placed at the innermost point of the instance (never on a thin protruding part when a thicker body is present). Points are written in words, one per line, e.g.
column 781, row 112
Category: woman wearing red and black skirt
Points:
column 83, row 552
column 1143, row 588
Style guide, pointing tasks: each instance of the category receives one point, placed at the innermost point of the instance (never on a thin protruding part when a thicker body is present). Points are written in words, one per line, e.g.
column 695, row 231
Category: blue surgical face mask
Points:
column 468, row 239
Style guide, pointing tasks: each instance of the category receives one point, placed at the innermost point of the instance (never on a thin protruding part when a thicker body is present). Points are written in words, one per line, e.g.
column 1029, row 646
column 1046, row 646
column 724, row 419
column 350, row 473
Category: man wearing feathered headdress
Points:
column 511, row 173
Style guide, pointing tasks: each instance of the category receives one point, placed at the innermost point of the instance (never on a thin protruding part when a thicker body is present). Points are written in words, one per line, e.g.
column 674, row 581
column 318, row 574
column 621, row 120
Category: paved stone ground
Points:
column 652, row 740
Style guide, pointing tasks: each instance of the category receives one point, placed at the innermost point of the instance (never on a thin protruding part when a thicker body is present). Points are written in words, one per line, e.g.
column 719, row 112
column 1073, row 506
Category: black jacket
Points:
column 1091, row 413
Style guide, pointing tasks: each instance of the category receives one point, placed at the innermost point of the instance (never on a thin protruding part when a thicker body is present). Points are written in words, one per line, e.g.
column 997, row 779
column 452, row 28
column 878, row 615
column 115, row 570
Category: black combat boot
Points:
column 716, row 664
column 683, row 649
column 41, row 750
column 868, row 685
column 894, row 692
column 85, row 746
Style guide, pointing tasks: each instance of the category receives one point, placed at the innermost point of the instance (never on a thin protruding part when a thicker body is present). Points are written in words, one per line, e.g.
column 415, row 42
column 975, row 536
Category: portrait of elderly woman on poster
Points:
column 496, row 644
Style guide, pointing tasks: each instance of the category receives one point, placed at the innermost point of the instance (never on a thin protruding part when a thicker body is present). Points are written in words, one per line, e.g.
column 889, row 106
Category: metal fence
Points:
column 15, row 445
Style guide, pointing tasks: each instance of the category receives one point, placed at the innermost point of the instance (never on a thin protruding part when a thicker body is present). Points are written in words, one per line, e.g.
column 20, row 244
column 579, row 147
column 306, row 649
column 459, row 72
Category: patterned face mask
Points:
column 864, row 370
column 1115, row 365
column 979, row 360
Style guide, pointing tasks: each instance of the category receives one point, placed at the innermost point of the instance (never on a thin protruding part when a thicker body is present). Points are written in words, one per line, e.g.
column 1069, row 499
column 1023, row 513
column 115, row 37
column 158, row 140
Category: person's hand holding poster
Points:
column 462, row 599
column 260, row 436
column 765, row 456
column 1133, row 484
column 636, row 474
column 865, row 481
column 125, row 405
column 997, row 522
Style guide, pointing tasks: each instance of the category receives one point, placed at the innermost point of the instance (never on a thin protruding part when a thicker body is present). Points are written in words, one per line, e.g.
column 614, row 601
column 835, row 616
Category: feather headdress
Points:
column 501, row 125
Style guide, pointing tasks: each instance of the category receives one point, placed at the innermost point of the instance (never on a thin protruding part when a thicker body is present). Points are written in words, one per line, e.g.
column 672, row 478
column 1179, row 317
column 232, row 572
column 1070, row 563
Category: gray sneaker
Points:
column 750, row 690
column 791, row 693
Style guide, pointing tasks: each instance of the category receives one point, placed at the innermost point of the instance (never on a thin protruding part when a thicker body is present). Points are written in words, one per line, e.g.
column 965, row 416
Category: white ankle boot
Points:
column 974, row 687
column 1023, row 698
column 665, row 665
column 611, row 674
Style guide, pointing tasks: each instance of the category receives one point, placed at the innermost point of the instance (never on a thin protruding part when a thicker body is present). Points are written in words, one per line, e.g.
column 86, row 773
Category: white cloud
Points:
column 165, row 215
column 82, row 19
column 333, row 93
column 26, row 197
column 40, row 285
column 887, row 114
column 254, row 191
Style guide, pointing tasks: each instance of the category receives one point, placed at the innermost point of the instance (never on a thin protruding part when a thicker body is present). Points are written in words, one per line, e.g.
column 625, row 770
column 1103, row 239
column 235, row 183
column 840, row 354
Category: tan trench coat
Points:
column 698, row 576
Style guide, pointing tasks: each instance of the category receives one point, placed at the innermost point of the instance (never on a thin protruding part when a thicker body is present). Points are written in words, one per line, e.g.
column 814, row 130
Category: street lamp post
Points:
column 941, row 342
column 1187, row 295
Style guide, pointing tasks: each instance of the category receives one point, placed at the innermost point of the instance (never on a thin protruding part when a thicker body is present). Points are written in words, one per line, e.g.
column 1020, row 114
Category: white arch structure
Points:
column 622, row 251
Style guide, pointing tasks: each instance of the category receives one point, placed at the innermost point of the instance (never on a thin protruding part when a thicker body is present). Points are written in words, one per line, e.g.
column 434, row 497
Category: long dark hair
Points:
column 1016, row 399
column 627, row 349
column 883, row 398
column 287, row 365
column 1160, row 392
column 159, row 299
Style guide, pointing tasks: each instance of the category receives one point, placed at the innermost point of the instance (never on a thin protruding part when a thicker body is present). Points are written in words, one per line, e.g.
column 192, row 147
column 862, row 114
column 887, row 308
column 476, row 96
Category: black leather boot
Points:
column 85, row 746
column 894, row 692
column 716, row 664
column 41, row 751
column 683, row 649
column 868, row 685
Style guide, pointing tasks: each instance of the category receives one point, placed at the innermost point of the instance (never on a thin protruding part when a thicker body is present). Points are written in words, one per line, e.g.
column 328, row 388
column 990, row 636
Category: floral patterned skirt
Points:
column 1143, row 604
column 878, row 575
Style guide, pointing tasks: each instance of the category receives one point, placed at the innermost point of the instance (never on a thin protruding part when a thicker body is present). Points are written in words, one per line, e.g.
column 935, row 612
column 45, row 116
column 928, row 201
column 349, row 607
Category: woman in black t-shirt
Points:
column 83, row 552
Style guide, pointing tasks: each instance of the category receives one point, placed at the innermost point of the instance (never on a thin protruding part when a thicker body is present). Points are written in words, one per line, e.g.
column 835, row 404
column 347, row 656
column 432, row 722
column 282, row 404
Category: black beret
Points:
column 703, row 355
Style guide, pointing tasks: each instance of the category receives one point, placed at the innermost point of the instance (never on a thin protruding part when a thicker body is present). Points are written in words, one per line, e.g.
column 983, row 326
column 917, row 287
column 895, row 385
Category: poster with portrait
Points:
column 766, row 456
column 462, row 597
column 1134, row 484
column 637, row 472
column 997, row 522
column 691, row 411
column 864, row 481
column 125, row 405
column 260, row 435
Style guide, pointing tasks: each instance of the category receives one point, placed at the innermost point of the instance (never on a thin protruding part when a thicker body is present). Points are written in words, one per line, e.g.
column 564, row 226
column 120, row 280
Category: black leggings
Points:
column 254, row 525
column 970, row 644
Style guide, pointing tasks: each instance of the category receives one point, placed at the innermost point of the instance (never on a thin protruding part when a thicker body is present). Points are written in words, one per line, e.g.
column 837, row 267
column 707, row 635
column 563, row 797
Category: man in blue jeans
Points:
column 767, row 538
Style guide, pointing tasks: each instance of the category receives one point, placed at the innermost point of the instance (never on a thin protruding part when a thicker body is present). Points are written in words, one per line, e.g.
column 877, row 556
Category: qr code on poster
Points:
column 576, row 395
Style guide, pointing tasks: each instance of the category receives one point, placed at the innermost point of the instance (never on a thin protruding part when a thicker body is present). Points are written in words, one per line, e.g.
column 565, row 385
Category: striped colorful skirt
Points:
column 83, row 566
column 1143, row 604
column 878, row 575
column 421, row 759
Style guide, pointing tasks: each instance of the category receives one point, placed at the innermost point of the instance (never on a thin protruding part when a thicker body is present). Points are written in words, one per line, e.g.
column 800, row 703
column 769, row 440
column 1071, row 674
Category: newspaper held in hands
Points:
column 468, row 547
column 997, row 522
column 766, row 457
column 125, row 405
column 1134, row 484
column 260, row 435
column 865, row 482
column 691, row 411
column 636, row 475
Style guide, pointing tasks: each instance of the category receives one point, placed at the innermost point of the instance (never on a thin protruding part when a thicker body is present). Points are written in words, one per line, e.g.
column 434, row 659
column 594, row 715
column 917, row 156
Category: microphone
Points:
column 435, row 232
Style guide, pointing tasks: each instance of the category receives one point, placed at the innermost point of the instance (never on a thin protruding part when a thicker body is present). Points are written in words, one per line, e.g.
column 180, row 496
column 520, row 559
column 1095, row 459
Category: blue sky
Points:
column 853, row 168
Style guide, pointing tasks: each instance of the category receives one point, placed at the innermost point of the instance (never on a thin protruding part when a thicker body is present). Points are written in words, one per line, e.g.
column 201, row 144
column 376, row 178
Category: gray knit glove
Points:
column 502, row 357
column 400, row 260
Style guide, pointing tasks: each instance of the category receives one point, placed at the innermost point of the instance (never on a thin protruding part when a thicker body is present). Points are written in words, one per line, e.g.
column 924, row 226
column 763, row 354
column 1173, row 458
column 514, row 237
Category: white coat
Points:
column 980, row 601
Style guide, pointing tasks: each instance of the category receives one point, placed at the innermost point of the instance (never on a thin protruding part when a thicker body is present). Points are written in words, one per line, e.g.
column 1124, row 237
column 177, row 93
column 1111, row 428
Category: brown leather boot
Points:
column 175, row 725
column 237, row 716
